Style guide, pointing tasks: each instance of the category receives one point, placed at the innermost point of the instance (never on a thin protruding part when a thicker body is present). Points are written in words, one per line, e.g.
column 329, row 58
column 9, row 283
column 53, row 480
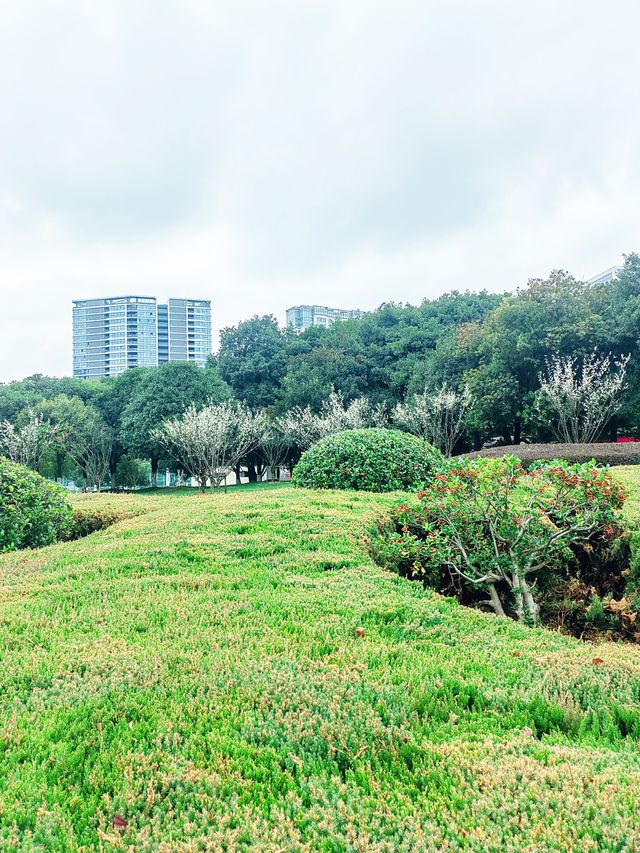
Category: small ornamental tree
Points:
column 209, row 442
column 273, row 447
column 583, row 397
column 436, row 416
column 304, row 428
column 493, row 526
column 27, row 444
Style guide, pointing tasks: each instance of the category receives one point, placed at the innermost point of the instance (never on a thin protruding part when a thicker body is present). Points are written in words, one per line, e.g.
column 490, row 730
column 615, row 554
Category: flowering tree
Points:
column 437, row 416
column 583, row 396
column 496, row 527
column 27, row 444
column 304, row 428
column 273, row 446
column 209, row 442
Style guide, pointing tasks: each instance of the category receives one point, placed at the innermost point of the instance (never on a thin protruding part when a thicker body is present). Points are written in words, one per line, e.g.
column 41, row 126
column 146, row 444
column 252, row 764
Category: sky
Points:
column 339, row 152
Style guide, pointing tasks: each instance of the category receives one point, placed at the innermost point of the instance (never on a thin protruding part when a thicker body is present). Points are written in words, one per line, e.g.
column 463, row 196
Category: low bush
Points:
column 87, row 521
column 610, row 453
column 373, row 460
column 33, row 511
column 545, row 543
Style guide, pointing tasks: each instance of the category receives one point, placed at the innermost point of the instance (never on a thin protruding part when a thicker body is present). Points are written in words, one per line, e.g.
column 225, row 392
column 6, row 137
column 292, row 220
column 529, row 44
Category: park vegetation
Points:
column 557, row 359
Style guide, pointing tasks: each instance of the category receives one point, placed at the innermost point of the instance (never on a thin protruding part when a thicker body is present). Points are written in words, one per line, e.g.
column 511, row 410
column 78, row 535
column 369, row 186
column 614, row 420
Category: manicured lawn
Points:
column 194, row 670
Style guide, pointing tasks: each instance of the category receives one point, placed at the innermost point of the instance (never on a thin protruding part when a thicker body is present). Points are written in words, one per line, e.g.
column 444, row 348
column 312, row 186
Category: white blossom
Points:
column 210, row 442
column 584, row 395
column 437, row 416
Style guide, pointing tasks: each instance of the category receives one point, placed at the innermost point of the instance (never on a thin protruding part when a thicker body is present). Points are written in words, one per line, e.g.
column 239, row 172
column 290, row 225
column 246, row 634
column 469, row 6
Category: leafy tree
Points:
column 253, row 360
column 164, row 393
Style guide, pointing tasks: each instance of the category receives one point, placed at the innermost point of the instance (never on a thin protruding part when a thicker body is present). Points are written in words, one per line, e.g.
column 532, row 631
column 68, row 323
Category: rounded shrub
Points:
column 33, row 511
column 372, row 460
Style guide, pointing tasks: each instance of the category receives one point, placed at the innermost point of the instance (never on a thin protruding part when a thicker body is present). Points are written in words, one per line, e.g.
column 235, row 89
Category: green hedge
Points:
column 604, row 453
column 33, row 511
column 373, row 460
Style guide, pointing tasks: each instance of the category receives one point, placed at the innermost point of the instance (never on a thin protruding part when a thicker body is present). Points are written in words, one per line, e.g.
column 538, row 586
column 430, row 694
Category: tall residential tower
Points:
column 114, row 334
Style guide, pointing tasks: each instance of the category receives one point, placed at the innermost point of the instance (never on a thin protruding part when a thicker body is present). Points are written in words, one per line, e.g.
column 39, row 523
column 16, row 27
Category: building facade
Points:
column 114, row 334
column 605, row 277
column 302, row 317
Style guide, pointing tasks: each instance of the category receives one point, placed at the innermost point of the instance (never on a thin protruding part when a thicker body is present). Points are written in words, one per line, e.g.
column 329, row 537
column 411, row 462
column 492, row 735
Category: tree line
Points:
column 461, row 370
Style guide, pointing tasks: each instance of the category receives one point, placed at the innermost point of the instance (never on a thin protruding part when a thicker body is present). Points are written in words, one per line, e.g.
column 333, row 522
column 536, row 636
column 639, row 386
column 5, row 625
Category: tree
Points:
column 79, row 431
column 209, row 442
column 437, row 416
column 273, row 447
column 162, row 394
column 507, row 351
column 26, row 444
column 304, row 428
column 253, row 360
column 583, row 395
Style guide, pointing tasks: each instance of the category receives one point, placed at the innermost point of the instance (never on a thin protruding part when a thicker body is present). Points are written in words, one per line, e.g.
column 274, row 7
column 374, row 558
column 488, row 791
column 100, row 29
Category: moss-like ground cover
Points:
column 194, row 670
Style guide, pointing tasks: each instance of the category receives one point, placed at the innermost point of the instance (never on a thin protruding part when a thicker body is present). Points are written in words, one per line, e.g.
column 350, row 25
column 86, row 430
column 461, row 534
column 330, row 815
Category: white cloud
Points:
column 265, row 155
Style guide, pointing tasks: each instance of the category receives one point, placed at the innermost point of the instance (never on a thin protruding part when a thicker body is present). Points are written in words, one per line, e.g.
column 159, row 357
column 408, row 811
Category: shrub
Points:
column 374, row 460
column 504, row 535
column 627, row 453
column 33, row 511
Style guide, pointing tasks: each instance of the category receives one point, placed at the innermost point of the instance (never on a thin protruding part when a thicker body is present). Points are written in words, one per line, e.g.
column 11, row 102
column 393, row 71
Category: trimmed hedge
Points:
column 33, row 511
column 373, row 460
column 602, row 453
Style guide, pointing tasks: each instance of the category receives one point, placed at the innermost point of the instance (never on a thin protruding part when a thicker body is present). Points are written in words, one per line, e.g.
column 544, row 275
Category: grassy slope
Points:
column 195, row 670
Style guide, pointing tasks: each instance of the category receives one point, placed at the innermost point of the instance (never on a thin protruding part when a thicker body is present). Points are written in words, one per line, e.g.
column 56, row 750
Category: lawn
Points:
column 194, row 672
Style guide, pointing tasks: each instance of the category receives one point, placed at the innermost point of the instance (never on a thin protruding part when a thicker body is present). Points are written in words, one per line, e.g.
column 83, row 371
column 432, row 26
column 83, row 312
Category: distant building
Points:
column 114, row 334
column 187, row 330
column 302, row 317
column 605, row 277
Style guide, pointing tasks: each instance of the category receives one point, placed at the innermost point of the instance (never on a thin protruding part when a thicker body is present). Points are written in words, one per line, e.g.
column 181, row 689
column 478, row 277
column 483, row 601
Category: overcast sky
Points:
column 340, row 152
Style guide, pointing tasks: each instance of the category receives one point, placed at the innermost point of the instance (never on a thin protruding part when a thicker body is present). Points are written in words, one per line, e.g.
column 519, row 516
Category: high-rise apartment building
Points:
column 302, row 317
column 188, row 329
column 114, row 334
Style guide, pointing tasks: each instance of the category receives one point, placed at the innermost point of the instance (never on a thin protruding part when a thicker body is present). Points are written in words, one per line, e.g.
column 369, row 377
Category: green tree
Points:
column 253, row 360
column 163, row 393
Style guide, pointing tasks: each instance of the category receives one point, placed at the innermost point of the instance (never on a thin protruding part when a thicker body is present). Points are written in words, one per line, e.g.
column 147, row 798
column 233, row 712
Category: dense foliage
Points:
column 505, row 535
column 464, row 370
column 33, row 511
column 373, row 460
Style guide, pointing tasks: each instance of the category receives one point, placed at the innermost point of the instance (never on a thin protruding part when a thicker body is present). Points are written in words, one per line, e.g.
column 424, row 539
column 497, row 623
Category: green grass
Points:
column 194, row 669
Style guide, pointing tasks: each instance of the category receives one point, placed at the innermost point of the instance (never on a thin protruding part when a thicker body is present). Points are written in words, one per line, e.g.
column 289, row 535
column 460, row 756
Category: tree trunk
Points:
column 252, row 473
column 517, row 431
column 238, row 473
column 154, row 471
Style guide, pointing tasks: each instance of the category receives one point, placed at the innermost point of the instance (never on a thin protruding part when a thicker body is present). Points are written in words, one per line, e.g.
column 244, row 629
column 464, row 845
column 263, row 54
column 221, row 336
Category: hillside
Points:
column 194, row 673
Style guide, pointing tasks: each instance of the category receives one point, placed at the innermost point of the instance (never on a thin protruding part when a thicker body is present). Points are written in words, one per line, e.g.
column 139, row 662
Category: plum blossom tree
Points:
column 437, row 416
column 582, row 395
column 209, row 442
column 26, row 444
column 305, row 428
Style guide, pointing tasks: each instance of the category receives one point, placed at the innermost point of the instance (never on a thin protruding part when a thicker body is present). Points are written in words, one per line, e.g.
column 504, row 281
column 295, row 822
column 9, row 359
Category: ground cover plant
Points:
column 373, row 460
column 232, row 672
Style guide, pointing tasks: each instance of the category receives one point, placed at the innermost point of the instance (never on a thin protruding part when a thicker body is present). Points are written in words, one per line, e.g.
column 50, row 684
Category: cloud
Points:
column 263, row 155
